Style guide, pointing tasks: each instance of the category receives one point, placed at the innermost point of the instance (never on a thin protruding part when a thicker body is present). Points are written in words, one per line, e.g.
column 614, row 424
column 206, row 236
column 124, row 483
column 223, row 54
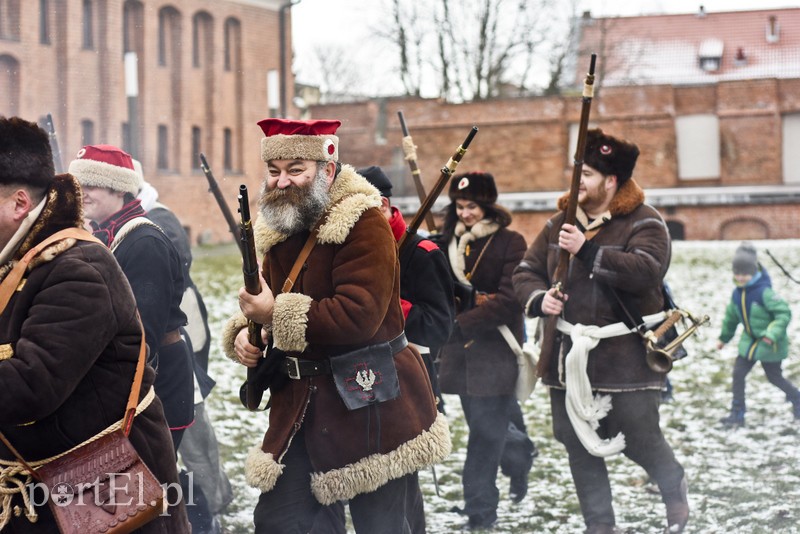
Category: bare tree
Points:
column 478, row 46
column 340, row 79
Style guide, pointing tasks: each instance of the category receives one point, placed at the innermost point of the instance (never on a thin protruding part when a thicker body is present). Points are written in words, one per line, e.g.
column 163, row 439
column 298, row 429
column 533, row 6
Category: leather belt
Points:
column 171, row 338
column 296, row 368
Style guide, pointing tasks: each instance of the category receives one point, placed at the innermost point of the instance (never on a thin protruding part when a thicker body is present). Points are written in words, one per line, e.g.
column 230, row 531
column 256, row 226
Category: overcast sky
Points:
column 347, row 25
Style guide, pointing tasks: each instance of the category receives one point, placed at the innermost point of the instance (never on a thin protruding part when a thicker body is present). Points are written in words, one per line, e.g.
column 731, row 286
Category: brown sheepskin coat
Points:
column 347, row 296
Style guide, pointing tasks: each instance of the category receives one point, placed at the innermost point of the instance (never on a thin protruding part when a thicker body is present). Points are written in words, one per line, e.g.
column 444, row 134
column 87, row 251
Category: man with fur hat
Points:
column 356, row 418
column 478, row 362
column 152, row 266
column 604, row 398
column 70, row 338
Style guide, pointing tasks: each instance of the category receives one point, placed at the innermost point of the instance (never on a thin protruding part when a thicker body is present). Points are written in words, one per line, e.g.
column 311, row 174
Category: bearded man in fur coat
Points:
column 70, row 337
column 346, row 297
column 604, row 397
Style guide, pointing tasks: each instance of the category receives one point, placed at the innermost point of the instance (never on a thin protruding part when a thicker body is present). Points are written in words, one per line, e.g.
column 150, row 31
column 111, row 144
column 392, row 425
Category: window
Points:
column 169, row 34
column 88, row 25
column 44, row 21
column 791, row 140
column 228, row 147
column 196, row 147
column 202, row 45
column 163, row 148
column 9, row 85
column 698, row 146
column 9, row 20
column 87, row 132
column 232, row 43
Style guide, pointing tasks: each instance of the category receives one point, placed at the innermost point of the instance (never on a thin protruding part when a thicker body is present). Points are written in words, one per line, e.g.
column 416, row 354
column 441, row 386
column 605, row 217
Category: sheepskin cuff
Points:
column 229, row 332
column 290, row 321
column 261, row 471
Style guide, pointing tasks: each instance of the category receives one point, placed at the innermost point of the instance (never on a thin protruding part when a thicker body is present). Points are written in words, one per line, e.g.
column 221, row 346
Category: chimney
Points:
column 773, row 29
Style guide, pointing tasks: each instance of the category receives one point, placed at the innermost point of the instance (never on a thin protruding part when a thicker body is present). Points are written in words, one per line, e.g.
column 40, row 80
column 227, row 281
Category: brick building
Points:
column 203, row 69
column 717, row 144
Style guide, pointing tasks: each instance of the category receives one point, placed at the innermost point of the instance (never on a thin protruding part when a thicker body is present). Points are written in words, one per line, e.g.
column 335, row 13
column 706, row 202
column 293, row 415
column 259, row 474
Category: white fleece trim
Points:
column 92, row 173
column 290, row 321
column 261, row 471
column 372, row 472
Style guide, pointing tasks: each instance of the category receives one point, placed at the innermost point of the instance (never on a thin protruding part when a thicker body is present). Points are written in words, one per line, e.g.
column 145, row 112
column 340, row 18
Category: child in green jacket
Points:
column 765, row 317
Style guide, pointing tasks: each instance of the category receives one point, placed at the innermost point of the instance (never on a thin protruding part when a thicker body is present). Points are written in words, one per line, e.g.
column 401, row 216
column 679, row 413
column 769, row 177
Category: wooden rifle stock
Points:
column 549, row 333
column 444, row 177
column 213, row 187
column 410, row 150
column 252, row 285
column 51, row 134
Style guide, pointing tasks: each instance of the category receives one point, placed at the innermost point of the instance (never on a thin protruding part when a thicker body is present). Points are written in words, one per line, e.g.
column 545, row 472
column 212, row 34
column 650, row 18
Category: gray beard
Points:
column 292, row 217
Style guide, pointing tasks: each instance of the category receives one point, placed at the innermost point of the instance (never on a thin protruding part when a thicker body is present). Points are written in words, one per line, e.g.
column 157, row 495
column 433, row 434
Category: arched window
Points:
column 169, row 35
column 87, row 132
column 9, row 86
column 44, row 21
column 9, row 20
column 202, row 39
column 233, row 42
column 132, row 26
column 88, row 24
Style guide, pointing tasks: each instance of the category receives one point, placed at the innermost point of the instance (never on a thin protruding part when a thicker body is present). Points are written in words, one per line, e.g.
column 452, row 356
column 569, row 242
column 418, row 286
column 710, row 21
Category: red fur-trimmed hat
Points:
column 105, row 166
column 609, row 155
column 308, row 140
column 479, row 187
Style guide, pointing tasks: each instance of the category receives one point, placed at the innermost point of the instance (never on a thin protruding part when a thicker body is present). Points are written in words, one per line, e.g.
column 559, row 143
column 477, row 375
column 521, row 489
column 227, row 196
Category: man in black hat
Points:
column 622, row 251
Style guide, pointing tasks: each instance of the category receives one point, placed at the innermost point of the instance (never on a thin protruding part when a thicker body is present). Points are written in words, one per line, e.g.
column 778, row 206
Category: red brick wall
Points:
column 524, row 143
column 75, row 84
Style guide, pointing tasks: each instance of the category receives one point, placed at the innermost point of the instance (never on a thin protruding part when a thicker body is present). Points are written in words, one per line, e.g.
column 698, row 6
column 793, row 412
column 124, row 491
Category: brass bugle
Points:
column 660, row 359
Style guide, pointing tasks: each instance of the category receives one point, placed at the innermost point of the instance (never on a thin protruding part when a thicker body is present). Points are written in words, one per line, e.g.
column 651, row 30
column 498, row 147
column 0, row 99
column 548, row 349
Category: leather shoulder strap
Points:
column 11, row 281
column 288, row 284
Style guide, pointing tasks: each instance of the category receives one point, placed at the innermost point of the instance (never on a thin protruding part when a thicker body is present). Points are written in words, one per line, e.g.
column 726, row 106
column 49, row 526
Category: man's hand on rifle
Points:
column 248, row 354
column 257, row 308
column 553, row 301
column 570, row 238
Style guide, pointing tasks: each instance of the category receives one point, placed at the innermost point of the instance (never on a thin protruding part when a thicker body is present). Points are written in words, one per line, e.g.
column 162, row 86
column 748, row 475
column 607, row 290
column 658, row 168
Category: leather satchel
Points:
column 102, row 487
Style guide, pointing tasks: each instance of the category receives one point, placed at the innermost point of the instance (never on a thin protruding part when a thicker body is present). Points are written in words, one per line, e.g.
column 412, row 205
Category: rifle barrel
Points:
column 213, row 187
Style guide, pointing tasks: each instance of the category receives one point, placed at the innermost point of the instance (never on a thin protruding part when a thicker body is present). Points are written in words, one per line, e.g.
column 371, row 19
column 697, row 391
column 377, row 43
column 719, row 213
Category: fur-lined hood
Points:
column 351, row 195
column 629, row 197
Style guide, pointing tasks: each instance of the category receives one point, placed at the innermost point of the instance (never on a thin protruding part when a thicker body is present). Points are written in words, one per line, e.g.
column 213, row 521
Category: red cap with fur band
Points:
column 295, row 139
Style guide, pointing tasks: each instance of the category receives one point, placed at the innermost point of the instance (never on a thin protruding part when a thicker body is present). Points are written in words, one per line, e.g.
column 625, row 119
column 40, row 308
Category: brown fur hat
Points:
column 609, row 155
column 25, row 155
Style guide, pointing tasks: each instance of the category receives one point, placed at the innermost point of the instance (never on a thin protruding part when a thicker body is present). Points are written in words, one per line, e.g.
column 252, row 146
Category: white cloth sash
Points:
column 584, row 409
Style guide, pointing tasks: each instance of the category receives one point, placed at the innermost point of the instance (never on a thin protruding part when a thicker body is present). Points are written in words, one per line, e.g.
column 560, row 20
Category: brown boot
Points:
column 677, row 503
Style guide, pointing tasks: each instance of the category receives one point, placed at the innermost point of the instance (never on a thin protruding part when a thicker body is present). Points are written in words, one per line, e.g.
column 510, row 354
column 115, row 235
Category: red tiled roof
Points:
column 665, row 49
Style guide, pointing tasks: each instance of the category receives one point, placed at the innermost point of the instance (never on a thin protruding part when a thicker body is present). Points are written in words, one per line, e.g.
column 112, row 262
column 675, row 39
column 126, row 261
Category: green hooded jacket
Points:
column 763, row 314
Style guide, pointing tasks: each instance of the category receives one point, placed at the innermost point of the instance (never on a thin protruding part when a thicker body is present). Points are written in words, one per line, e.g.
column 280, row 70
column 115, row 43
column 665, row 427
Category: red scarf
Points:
column 107, row 230
column 397, row 223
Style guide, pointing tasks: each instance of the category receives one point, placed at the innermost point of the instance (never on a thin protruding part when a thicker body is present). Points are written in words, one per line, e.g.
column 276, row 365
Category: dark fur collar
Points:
column 63, row 209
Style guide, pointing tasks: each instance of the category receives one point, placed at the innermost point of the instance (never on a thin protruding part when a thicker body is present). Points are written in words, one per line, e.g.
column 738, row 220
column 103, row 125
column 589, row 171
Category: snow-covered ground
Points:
column 743, row 481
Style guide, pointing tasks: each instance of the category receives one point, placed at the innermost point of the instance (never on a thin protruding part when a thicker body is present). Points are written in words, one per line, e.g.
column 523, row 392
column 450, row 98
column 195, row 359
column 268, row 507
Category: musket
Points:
column 252, row 285
column 410, row 150
column 51, row 133
column 781, row 267
column 444, row 176
column 213, row 187
column 550, row 333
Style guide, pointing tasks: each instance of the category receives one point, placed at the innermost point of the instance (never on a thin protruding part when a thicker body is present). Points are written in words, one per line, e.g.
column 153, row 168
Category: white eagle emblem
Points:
column 366, row 379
